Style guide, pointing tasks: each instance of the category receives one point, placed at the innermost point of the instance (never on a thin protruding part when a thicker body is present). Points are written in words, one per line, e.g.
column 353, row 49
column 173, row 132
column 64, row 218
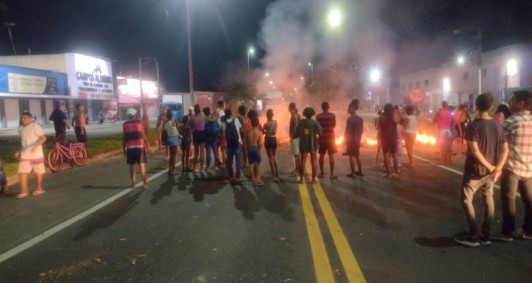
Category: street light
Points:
column 8, row 26
column 479, row 50
column 145, row 118
column 375, row 75
column 460, row 60
column 334, row 18
column 251, row 51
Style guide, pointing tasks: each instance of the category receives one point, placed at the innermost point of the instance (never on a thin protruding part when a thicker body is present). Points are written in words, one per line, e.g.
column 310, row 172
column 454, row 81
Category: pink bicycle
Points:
column 74, row 152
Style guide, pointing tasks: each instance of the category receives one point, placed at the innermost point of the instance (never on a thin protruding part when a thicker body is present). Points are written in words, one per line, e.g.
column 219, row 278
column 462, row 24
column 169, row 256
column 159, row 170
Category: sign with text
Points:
column 89, row 77
column 30, row 81
column 129, row 90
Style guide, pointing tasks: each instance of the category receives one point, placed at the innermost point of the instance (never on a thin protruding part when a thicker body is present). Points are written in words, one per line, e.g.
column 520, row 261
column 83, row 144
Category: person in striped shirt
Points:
column 517, row 173
column 134, row 143
column 327, row 122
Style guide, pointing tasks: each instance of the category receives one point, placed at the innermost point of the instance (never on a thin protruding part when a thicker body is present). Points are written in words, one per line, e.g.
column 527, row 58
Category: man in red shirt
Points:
column 327, row 122
column 134, row 143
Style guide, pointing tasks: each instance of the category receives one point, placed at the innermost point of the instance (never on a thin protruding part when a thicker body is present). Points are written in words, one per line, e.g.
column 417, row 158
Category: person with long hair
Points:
column 172, row 141
column 443, row 121
column 388, row 136
column 270, row 142
column 307, row 131
column 198, row 138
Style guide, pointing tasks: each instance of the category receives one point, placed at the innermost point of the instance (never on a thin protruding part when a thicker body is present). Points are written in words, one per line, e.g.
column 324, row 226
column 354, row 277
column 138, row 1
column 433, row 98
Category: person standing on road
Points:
column 172, row 141
column 410, row 132
column 246, row 126
column 294, row 141
column 59, row 118
column 307, row 132
column 198, row 139
column 327, row 140
column 79, row 123
column 161, row 129
column 31, row 154
column 388, row 138
column 517, row 175
column 186, row 138
column 219, row 115
column 460, row 118
column 354, row 127
column 485, row 157
column 212, row 134
column 443, row 120
column 134, row 142
column 270, row 142
column 232, row 130
column 254, row 143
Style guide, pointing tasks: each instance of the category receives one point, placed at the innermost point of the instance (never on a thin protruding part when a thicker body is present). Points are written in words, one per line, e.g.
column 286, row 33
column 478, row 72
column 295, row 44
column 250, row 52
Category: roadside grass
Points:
column 95, row 146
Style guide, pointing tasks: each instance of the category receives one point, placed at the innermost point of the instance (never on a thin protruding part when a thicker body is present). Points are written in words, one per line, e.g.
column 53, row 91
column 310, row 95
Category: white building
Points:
column 502, row 71
column 89, row 82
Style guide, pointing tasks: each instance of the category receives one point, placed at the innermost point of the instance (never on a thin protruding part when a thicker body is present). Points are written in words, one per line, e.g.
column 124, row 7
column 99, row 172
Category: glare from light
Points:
column 301, row 78
column 309, row 64
column 460, row 60
column 267, row 74
column 511, row 67
column 446, row 84
column 251, row 51
column 375, row 75
column 334, row 18
column 271, row 82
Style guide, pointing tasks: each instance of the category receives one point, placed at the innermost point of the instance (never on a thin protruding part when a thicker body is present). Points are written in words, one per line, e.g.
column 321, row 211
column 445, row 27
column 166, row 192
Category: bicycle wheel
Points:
column 79, row 156
column 55, row 160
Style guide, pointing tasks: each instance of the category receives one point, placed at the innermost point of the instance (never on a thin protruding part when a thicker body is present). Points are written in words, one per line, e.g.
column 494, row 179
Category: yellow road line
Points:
column 351, row 266
column 322, row 266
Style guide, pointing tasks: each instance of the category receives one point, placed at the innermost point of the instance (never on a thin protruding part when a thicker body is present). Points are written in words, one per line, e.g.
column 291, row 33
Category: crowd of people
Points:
column 498, row 147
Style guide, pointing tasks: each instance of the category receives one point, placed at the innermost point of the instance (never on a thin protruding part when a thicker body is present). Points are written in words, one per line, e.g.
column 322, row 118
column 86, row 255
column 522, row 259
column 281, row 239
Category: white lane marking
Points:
column 50, row 232
column 453, row 170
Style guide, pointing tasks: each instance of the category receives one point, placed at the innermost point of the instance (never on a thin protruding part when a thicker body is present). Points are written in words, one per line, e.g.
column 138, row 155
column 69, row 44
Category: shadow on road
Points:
column 245, row 201
column 437, row 242
column 274, row 202
column 205, row 183
column 164, row 190
column 108, row 215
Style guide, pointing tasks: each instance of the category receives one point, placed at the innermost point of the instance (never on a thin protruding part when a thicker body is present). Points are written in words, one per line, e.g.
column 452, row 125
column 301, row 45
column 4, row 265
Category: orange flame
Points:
column 340, row 140
column 425, row 139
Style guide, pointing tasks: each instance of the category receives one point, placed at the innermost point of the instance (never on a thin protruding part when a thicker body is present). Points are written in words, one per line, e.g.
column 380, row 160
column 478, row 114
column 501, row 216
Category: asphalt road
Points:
column 199, row 228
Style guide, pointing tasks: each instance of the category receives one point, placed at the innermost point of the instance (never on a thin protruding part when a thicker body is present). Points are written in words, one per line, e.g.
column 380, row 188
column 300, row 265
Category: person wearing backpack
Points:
column 212, row 133
column 232, row 129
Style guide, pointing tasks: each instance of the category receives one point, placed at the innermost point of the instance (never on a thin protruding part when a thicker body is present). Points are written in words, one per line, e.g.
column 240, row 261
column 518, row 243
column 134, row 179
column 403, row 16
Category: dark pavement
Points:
column 202, row 229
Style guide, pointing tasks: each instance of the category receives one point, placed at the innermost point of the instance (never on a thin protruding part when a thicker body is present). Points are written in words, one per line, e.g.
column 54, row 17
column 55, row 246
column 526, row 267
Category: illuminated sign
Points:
column 90, row 77
column 129, row 90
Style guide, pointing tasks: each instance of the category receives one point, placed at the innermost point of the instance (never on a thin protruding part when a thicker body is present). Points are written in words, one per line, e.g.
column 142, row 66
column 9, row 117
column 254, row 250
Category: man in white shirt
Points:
column 31, row 154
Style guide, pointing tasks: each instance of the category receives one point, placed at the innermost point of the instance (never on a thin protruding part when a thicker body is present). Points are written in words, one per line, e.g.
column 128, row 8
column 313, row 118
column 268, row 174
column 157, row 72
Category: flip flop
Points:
column 321, row 176
column 359, row 174
column 146, row 186
column 350, row 175
column 19, row 196
column 314, row 182
column 333, row 177
column 36, row 193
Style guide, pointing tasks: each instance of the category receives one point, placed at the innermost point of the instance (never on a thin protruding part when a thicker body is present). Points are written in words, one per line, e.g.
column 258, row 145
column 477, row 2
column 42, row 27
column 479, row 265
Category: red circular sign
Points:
column 416, row 95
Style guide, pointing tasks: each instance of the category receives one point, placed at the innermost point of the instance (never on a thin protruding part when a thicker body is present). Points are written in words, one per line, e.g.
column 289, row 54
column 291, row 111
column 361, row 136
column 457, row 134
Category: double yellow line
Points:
column 320, row 257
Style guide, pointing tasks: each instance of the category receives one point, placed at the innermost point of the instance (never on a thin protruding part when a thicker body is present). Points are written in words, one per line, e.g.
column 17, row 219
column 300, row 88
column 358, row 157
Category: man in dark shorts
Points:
column 327, row 122
column 353, row 134
column 134, row 143
column 79, row 122
column 59, row 118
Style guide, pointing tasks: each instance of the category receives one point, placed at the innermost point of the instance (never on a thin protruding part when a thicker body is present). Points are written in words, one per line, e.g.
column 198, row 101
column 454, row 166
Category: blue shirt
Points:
column 353, row 130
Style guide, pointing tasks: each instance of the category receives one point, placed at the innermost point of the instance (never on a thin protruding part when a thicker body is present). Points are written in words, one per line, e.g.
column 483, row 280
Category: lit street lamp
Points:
column 251, row 51
column 479, row 50
column 334, row 18
column 8, row 26
column 374, row 77
column 189, row 46
column 460, row 60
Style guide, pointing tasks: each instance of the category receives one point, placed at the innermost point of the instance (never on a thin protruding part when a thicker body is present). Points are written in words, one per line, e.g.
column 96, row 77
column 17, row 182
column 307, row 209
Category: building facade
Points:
column 501, row 71
column 88, row 81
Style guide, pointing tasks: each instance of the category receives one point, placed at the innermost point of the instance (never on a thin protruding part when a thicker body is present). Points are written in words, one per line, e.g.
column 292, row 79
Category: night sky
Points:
column 420, row 32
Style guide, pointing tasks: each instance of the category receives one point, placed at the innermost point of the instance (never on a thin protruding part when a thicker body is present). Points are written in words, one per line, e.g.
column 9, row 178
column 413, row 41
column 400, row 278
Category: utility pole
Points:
column 190, row 69
column 8, row 26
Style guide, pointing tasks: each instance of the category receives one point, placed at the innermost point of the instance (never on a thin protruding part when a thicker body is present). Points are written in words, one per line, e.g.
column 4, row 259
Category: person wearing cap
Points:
column 134, row 143
column 30, row 154
column 59, row 118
